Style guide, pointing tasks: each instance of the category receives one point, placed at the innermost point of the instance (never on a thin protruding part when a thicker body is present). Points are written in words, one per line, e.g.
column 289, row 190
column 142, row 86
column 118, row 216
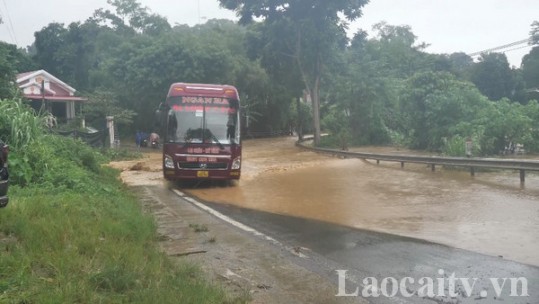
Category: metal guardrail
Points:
column 264, row 134
column 433, row 161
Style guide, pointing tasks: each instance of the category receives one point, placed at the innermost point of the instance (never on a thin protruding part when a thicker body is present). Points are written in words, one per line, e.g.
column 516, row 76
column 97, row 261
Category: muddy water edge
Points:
column 490, row 213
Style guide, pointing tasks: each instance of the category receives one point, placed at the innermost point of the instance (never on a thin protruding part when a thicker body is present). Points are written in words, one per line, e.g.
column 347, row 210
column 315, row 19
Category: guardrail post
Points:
column 377, row 161
column 402, row 164
column 433, row 168
column 110, row 126
column 522, row 176
column 472, row 171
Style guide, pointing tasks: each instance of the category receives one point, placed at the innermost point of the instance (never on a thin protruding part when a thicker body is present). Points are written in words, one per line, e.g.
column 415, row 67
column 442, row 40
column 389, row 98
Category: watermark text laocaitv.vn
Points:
column 443, row 285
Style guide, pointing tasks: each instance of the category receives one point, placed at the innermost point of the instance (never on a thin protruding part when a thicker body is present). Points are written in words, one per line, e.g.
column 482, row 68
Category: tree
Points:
column 313, row 30
column 49, row 42
column 12, row 61
column 493, row 76
column 105, row 103
column 7, row 75
column 142, row 68
column 458, row 64
column 286, row 84
column 395, row 51
column 534, row 33
column 68, row 52
column 433, row 106
column 530, row 69
column 368, row 85
column 138, row 18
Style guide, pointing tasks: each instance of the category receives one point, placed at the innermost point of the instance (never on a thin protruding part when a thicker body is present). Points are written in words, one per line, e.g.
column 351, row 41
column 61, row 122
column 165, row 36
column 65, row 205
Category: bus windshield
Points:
column 203, row 120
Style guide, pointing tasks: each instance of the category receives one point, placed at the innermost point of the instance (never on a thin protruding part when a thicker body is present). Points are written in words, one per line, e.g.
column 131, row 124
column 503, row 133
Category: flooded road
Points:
column 490, row 214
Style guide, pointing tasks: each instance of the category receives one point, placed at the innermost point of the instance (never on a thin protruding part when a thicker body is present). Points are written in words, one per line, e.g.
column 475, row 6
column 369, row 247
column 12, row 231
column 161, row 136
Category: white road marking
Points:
column 237, row 224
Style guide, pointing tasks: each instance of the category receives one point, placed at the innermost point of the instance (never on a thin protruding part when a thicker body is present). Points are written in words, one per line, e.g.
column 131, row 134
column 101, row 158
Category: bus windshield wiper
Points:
column 208, row 134
column 214, row 138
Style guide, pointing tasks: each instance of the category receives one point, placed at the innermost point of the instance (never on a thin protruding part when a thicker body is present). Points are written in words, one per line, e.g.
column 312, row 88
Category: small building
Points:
column 42, row 89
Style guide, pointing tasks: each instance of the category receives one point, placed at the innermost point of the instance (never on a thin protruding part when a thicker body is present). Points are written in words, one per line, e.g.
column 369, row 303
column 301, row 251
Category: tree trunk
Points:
column 315, row 99
column 314, row 88
column 299, row 126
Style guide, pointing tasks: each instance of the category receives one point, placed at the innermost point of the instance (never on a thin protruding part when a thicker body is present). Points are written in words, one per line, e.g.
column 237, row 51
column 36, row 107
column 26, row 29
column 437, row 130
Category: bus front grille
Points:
column 202, row 166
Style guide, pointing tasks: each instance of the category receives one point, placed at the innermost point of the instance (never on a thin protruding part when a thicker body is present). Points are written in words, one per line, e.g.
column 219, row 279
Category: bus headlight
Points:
column 169, row 162
column 236, row 163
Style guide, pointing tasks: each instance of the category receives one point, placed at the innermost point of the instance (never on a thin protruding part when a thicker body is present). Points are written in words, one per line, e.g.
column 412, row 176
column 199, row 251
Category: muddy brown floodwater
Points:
column 490, row 213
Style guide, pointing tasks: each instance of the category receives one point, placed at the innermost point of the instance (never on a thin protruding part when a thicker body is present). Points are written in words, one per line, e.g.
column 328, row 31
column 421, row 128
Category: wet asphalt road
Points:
column 363, row 254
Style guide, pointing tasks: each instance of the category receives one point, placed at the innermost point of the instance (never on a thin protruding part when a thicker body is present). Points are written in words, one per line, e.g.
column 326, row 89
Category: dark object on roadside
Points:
column 154, row 140
column 141, row 139
column 4, row 174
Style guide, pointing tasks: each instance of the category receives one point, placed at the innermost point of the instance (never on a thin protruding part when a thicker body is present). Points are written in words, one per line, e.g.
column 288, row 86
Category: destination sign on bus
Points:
column 204, row 100
column 200, row 109
column 209, row 150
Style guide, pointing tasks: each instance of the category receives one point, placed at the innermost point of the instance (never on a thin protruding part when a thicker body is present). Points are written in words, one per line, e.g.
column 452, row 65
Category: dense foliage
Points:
column 383, row 89
column 43, row 159
column 12, row 61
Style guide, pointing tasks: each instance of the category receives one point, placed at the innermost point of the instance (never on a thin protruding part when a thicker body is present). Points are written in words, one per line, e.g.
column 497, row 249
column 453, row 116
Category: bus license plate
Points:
column 203, row 174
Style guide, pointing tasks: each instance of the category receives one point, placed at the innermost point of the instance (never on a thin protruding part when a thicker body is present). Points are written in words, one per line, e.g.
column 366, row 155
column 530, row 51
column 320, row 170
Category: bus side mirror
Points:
column 160, row 115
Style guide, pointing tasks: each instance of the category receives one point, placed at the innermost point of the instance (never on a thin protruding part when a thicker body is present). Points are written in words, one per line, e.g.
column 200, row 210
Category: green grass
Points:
column 72, row 247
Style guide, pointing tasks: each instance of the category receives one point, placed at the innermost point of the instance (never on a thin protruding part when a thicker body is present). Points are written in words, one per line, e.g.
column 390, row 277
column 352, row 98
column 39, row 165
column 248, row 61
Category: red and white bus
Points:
column 201, row 132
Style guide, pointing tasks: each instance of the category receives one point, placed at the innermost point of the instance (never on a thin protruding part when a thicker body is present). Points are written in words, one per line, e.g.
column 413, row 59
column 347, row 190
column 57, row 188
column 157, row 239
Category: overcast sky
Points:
column 447, row 25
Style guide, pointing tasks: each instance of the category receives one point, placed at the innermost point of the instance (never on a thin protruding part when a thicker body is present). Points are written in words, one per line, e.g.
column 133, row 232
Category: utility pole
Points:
column 42, row 95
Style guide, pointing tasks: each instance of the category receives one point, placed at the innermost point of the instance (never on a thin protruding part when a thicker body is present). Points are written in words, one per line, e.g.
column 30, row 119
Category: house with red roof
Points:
column 43, row 89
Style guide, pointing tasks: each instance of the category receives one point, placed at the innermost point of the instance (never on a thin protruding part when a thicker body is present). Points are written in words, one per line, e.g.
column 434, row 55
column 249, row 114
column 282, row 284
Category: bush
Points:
column 19, row 124
column 455, row 146
column 44, row 159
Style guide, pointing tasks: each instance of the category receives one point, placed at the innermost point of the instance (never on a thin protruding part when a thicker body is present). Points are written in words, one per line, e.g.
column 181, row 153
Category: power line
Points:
column 518, row 48
column 7, row 27
column 12, row 31
column 501, row 47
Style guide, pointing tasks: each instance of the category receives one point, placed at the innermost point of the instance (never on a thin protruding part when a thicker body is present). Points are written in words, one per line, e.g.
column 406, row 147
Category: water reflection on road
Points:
column 489, row 214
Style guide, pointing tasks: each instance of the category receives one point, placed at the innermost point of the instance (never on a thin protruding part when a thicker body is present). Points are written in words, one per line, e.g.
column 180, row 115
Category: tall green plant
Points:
column 40, row 158
column 19, row 125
